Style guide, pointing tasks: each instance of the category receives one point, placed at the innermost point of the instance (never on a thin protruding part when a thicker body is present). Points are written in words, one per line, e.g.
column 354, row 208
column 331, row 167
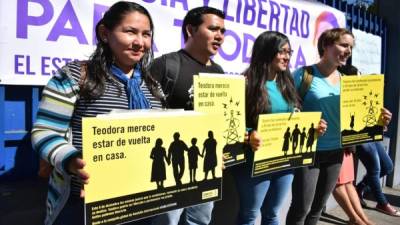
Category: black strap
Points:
column 172, row 67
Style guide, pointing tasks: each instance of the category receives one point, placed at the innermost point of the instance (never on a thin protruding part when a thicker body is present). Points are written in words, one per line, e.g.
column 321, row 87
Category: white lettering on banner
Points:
column 45, row 34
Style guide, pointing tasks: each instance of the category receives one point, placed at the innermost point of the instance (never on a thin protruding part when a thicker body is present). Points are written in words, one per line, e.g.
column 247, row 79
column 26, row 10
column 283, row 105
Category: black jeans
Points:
column 307, row 203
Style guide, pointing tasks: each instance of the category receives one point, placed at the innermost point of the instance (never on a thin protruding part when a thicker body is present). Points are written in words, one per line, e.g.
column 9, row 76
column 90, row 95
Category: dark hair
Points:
column 194, row 17
column 176, row 135
column 102, row 58
column 329, row 37
column 265, row 48
column 159, row 142
column 348, row 69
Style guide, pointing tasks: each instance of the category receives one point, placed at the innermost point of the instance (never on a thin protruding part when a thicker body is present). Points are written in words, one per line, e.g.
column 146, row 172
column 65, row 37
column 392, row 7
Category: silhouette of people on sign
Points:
column 295, row 138
column 303, row 136
column 286, row 138
column 176, row 156
column 193, row 154
column 310, row 138
column 210, row 155
column 158, row 154
column 352, row 121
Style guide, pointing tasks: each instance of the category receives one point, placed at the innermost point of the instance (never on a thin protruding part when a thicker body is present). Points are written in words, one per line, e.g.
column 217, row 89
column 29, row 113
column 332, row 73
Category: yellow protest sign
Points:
column 288, row 141
column 225, row 95
column 141, row 164
column 361, row 100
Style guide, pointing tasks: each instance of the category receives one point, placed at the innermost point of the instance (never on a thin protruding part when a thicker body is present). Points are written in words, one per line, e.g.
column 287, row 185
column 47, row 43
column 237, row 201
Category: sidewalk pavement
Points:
column 22, row 203
column 337, row 215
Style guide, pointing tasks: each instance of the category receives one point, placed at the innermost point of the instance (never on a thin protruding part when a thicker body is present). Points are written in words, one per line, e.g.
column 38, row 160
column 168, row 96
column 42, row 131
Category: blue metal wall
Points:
column 18, row 104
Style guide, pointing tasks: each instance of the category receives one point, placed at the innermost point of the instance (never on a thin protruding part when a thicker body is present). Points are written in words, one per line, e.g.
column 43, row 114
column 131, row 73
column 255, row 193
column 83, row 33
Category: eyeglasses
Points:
column 288, row 52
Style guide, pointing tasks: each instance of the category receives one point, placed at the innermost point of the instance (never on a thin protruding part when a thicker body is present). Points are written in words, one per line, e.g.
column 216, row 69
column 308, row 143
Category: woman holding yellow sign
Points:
column 312, row 185
column 270, row 89
column 114, row 77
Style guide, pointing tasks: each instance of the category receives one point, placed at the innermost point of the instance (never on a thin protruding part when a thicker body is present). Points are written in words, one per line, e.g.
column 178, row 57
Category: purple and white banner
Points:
column 40, row 36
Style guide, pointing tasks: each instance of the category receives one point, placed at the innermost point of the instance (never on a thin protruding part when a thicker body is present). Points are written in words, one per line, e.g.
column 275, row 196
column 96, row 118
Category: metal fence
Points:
column 359, row 18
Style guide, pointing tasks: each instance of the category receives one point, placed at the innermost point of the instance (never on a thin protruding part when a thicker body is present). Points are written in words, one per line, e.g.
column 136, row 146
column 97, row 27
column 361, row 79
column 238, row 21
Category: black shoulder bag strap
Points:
column 306, row 81
column 172, row 67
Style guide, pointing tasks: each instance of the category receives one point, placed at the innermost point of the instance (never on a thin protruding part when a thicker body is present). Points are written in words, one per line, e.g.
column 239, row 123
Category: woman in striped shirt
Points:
column 115, row 77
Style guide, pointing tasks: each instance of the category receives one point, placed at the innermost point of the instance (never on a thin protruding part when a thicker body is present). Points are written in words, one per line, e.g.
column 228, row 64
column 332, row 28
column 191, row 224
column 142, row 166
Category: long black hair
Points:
column 265, row 48
column 102, row 58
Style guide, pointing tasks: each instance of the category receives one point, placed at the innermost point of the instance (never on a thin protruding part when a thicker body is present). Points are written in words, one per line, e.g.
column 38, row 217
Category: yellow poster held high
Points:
column 142, row 164
column 361, row 100
column 224, row 94
column 288, row 141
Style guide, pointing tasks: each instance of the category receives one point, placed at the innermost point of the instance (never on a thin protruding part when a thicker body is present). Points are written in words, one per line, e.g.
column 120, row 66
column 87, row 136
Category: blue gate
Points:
column 357, row 17
column 18, row 106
